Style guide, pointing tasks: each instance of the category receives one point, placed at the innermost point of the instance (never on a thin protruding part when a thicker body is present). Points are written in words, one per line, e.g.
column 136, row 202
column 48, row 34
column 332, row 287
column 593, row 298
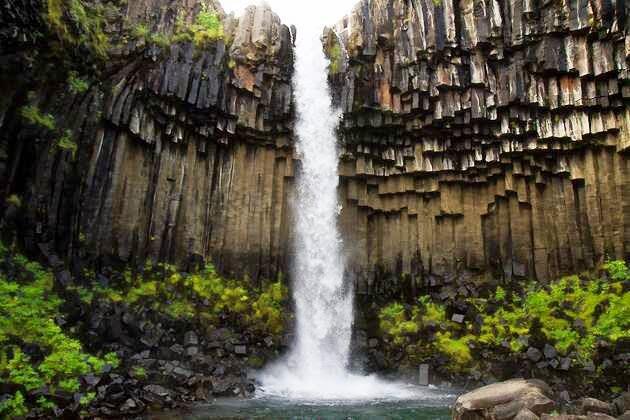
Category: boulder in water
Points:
column 505, row 400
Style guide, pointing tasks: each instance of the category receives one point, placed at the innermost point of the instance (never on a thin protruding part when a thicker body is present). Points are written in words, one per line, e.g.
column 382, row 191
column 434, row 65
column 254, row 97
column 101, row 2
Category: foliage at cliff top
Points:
column 206, row 29
column 77, row 25
column 572, row 314
column 203, row 295
column 333, row 50
column 39, row 362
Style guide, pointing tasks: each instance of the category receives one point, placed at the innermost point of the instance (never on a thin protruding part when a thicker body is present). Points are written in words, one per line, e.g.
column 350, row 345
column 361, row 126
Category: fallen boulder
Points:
column 505, row 400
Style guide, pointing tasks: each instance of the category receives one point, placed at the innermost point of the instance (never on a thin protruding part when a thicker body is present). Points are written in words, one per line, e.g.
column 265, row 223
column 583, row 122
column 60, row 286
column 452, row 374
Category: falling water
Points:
column 317, row 366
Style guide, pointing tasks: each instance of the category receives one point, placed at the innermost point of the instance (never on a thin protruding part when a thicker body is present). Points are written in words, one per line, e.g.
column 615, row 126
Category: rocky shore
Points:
column 533, row 399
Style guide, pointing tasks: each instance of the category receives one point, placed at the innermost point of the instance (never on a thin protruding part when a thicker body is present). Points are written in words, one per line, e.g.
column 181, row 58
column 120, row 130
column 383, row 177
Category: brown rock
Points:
column 504, row 400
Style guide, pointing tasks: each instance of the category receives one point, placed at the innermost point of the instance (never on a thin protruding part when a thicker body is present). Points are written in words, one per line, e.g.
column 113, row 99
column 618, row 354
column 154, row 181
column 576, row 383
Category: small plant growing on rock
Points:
column 67, row 143
column 76, row 84
column 33, row 116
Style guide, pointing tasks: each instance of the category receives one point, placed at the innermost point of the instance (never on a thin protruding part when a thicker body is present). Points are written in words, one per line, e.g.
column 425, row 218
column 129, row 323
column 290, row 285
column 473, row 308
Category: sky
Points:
column 299, row 12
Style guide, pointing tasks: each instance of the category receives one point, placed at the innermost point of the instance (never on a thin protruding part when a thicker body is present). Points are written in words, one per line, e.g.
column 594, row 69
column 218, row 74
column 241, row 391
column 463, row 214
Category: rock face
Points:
column 483, row 137
column 184, row 153
column 479, row 138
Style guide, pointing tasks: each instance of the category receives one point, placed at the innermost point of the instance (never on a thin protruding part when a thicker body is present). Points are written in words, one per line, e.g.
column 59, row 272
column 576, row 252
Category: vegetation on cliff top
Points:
column 39, row 363
column 206, row 29
column 573, row 314
column 77, row 25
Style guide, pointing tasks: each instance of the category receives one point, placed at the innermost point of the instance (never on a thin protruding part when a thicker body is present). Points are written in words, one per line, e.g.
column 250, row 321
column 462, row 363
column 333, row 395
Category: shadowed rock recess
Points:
column 479, row 139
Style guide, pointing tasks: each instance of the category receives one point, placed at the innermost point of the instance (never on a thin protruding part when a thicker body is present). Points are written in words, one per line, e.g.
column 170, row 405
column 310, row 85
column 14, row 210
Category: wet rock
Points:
column 190, row 339
column 423, row 375
column 588, row 405
column 459, row 318
column 192, row 351
column 158, row 390
column 565, row 363
column 564, row 396
column 621, row 404
column 526, row 414
column 534, row 354
column 549, row 351
column 227, row 386
column 624, row 416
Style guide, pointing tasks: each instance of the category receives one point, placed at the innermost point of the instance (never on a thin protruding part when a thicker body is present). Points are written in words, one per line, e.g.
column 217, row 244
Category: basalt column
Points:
column 482, row 139
column 184, row 150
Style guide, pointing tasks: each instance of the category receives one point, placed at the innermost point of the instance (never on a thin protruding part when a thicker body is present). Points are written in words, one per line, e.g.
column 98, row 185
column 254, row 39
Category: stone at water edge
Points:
column 526, row 414
column 504, row 400
column 423, row 375
column 588, row 405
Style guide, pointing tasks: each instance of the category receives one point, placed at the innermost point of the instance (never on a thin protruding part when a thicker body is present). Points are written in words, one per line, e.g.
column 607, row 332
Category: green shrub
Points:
column 268, row 315
column 14, row 200
column 76, row 84
column 456, row 349
column 601, row 305
column 32, row 115
column 336, row 58
column 499, row 294
column 67, row 143
column 207, row 28
column 202, row 295
column 139, row 372
column 28, row 307
column 78, row 25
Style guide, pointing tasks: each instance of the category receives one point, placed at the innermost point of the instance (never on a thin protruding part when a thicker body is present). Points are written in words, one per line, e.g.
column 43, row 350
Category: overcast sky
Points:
column 299, row 12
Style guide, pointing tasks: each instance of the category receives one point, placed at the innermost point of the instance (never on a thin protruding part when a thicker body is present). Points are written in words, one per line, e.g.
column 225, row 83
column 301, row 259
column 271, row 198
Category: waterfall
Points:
column 317, row 366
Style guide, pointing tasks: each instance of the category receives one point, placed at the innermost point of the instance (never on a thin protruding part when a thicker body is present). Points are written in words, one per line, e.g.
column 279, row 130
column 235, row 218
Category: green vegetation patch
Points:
column 35, row 353
column 335, row 55
column 203, row 295
column 76, row 84
column 77, row 24
column 206, row 29
column 67, row 143
column 33, row 116
column 572, row 314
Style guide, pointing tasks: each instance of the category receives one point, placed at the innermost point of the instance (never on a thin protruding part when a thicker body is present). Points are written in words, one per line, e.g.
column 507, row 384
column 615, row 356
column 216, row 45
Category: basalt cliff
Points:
column 480, row 139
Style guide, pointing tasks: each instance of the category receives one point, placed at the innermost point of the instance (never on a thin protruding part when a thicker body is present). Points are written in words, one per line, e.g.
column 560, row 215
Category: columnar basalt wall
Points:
column 483, row 139
column 184, row 152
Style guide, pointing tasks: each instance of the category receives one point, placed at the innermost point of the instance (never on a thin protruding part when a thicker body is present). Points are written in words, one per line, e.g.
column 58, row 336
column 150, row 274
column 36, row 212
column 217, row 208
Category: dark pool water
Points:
column 433, row 409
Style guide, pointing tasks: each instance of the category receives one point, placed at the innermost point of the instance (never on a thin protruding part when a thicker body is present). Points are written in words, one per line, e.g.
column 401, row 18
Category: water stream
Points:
column 316, row 369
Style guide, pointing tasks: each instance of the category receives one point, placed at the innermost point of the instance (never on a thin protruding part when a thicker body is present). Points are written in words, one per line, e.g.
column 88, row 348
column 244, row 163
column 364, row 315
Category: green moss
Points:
column 76, row 84
column 499, row 294
column 28, row 307
column 140, row 31
column 67, row 143
column 335, row 57
column 76, row 24
column 139, row 372
column 456, row 349
column 268, row 309
column 33, row 116
column 549, row 313
column 207, row 28
column 203, row 295
column 14, row 200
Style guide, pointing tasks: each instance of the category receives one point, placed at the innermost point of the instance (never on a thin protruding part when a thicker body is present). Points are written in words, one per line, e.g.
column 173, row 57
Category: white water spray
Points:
column 317, row 367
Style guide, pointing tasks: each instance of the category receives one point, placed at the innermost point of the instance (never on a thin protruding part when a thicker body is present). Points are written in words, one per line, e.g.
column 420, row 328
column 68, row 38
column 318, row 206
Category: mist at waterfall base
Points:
column 316, row 367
